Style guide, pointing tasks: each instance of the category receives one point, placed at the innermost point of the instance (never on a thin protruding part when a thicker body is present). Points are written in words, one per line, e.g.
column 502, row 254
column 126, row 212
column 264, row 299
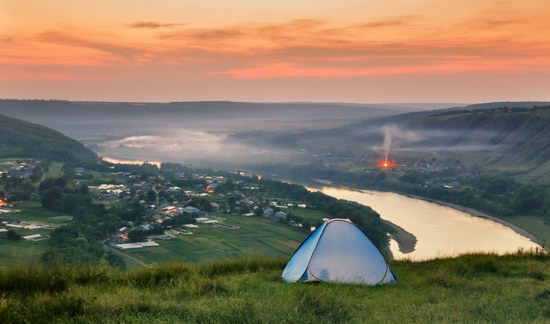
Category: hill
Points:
column 470, row 288
column 75, row 117
column 24, row 139
column 503, row 138
column 515, row 139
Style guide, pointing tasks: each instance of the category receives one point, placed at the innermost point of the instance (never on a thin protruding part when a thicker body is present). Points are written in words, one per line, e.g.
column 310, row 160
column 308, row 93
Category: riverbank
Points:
column 406, row 241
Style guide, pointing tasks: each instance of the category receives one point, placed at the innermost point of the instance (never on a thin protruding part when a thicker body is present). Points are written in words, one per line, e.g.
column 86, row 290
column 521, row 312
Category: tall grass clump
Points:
column 220, row 268
column 49, row 279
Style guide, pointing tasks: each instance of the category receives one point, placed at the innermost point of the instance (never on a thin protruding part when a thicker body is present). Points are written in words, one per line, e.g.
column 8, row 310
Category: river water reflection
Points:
column 440, row 230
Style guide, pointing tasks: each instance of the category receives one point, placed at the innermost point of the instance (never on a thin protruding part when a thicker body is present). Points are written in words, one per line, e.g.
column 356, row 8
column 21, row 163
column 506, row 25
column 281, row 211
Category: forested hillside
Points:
column 24, row 139
column 515, row 138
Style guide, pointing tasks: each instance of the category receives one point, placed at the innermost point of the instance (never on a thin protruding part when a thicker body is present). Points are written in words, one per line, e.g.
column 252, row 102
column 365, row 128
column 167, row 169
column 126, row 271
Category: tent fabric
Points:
column 338, row 251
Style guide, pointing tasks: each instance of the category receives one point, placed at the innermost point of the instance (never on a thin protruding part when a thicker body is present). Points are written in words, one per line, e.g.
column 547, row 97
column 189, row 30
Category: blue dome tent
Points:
column 338, row 251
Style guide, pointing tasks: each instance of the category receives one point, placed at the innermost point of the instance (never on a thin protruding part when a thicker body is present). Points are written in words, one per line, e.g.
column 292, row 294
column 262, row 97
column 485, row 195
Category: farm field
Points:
column 32, row 211
column 310, row 215
column 21, row 252
column 55, row 170
column 255, row 236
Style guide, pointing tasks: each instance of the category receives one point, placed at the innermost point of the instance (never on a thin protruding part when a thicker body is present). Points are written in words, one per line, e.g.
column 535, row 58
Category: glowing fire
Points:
column 386, row 164
column 3, row 202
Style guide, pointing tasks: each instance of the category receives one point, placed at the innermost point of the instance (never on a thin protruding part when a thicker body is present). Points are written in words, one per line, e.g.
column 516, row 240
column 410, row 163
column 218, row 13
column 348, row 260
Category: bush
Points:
column 12, row 235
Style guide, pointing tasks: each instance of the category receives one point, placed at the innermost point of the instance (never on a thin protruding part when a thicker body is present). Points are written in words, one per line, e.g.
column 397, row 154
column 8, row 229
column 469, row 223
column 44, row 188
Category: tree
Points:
column 137, row 235
column 52, row 198
column 12, row 235
column 151, row 196
column 84, row 190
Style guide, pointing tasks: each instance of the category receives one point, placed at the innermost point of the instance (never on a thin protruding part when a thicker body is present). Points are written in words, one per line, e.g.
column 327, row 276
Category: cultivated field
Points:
column 255, row 236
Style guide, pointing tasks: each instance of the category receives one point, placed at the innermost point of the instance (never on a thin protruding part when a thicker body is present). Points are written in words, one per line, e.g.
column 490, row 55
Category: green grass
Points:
column 55, row 170
column 106, row 177
column 255, row 236
column 32, row 211
column 535, row 226
column 14, row 253
column 472, row 288
column 19, row 253
column 309, row 215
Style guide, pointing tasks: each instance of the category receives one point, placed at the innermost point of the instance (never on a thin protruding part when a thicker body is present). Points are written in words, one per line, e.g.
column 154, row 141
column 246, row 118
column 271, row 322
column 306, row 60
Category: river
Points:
column 441, row 231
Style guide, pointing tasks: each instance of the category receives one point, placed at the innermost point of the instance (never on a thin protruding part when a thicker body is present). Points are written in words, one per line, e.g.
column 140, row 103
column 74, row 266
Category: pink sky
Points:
column 244, row 50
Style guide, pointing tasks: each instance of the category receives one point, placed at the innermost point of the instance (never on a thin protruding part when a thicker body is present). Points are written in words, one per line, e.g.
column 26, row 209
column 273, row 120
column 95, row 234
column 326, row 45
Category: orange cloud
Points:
column 459, row 66
column 153, row 25
column 60, row 38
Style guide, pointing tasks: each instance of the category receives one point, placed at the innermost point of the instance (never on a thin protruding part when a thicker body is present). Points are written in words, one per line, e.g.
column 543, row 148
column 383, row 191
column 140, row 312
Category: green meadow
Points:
column 255, row 236
column 467, row 289
column 21, row 252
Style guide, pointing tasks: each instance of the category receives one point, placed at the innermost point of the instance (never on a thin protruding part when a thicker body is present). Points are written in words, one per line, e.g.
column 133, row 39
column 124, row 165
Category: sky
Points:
column 361, row 51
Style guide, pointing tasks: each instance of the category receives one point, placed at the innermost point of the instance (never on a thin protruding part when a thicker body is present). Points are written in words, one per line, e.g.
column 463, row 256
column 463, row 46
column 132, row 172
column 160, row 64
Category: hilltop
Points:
column 470, row 288
column 24, row 139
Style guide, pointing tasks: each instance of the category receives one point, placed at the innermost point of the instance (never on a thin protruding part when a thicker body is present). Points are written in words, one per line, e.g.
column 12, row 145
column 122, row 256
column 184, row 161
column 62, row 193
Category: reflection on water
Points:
column 441, row 231
column 123, row 161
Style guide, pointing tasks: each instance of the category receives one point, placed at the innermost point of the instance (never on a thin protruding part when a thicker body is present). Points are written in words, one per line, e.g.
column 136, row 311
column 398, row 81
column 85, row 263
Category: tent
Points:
column 338, row 251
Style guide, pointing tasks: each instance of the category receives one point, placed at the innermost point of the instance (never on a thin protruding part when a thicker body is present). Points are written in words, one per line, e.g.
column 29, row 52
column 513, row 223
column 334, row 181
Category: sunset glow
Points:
column 341, row 51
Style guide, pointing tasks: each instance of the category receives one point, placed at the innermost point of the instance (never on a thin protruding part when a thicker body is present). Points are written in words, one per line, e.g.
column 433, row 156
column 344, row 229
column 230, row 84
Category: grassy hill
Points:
column 520, row 137
column 471, row 288
column 506, row 139
column 24, row 139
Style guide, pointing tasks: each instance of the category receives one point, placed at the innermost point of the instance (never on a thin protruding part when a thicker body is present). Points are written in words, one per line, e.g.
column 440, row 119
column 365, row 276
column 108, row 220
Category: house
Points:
column 215, row 205
column 280, row 215
column 146, row 227
column 173, row 190
column 109, row 195
column 170, row 210
column 206, row 220
column 268, row 212
column 192, row 210
column 35, row 237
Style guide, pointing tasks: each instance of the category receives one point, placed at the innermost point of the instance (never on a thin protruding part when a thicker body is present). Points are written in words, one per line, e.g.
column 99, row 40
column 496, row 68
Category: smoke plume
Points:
column 393, row 133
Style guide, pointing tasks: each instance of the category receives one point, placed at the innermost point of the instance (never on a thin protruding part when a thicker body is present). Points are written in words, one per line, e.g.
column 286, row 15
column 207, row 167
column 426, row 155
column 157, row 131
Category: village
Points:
column 170, row 204
column 174, row 210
